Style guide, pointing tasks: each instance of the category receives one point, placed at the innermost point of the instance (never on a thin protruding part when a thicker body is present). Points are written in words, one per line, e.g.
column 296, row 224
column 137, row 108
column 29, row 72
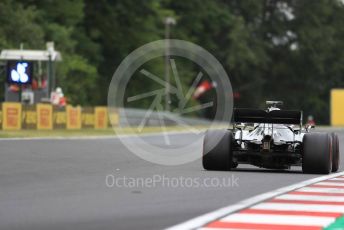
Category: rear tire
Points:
column 217, row 153
column 335, row 152
column 317, row 153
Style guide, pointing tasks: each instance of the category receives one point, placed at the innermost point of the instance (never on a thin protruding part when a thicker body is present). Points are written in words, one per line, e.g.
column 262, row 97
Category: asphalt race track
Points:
column 61, row 184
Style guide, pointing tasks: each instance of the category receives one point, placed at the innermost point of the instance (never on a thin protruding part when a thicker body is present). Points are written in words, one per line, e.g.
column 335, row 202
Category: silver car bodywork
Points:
column 270, row 139
column 281, row 134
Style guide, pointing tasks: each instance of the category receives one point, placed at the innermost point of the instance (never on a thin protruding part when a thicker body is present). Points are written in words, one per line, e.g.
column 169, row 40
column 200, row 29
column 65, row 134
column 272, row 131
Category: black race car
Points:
column 273, row 139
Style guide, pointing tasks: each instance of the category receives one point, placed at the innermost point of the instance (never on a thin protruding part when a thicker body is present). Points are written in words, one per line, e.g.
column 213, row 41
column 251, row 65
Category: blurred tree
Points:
column 271, row 49
column 121, row 27
column 221, row 28
column 319, row 62
column 61, row 22
column 19, row 25
column 305, row 62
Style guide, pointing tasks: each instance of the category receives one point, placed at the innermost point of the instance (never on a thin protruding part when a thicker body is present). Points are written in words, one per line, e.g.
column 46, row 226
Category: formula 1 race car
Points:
column 272, row 139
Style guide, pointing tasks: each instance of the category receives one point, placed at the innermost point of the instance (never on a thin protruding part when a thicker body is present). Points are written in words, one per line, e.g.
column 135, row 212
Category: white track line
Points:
column 217, row 214
column 299, row 207
column 310, row 198
column 317, row 189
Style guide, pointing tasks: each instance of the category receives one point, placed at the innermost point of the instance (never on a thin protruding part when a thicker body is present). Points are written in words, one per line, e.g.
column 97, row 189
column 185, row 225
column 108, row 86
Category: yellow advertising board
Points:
column 59, row 117
column 44, row 116
column 73, row 117
column 12, row 113
column 113, row 117
column 101, row 117
column 15, row 116
column 1, row 117
column 87, row 117
column 29, row 117
column 337, row 107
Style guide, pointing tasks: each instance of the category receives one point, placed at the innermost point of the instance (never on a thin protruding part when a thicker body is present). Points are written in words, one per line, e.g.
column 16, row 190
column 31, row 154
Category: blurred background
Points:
column 289, row 50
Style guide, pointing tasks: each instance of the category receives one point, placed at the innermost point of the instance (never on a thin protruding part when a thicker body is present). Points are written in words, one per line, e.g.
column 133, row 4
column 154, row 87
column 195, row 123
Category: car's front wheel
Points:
column 317, row 153
column 217, row 150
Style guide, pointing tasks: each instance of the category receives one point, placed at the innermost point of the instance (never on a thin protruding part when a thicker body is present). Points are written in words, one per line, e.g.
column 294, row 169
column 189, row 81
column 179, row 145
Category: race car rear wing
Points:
column 290, row 117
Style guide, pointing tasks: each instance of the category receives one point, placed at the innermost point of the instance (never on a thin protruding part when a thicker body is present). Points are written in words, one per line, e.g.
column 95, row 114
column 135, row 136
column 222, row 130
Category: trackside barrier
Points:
column 29, row 117
column 0, row 116
column 44, row 117
column 73, row 117
column 15, row 116
column 101, row 117
column 12, row 113
column 87, row 118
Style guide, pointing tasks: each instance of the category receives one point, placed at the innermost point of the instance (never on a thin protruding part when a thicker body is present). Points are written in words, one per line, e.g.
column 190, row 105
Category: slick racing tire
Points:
column 317, row 153
column 335, row 152
column 217, row 152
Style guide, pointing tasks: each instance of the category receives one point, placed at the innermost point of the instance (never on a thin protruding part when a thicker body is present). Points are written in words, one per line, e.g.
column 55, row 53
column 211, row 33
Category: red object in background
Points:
column 43, row 84
column 236, row 95
column 310, row 120
column 14, row 88
column 202, row 88
column 63, row 101
column 38, row 84
column 58, row 99
column 34, row 84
